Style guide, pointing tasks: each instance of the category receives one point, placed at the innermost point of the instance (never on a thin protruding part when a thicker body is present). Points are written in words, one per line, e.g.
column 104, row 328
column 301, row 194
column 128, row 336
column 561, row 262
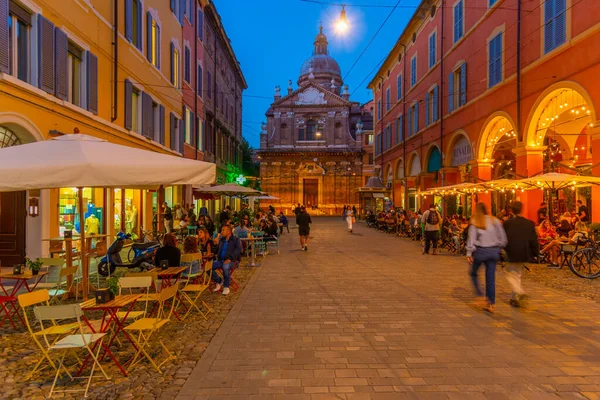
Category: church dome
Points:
column 324, row 67
column 321, row 63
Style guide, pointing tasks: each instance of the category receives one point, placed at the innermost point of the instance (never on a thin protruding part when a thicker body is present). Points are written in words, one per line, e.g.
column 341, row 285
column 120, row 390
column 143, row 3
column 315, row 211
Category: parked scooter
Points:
column 142, row 253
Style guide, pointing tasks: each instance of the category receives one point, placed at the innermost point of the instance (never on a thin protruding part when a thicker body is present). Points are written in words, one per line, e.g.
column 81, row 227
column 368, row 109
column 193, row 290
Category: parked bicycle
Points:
column 585, row 261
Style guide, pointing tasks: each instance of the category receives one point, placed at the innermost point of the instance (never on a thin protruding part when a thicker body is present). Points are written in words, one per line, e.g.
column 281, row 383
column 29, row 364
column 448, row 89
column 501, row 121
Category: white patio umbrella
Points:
column 229, row 189
column 79, row 160
column 267, row 197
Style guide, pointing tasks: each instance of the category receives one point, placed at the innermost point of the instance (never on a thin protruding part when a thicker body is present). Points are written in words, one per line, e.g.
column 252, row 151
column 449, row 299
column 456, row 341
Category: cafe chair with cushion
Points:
column 42, row 297
column 191, row 292
column 146, row 327
column 78, row 340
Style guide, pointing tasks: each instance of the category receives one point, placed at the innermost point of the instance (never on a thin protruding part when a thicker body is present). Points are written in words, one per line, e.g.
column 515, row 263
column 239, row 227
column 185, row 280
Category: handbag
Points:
column 353, row 220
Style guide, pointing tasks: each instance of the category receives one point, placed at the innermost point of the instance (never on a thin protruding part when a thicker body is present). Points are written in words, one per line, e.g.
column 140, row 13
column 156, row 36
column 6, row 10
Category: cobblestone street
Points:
column 368, row 317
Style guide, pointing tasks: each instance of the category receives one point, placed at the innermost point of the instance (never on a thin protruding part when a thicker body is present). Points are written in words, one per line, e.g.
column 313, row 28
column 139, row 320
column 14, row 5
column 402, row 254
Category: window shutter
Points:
column 416, row 118
column 451, row 92
column 46, row 54
column 560, row 22
column 128, row 105
column 147, row 116
column 173, row 131
column 409, row 124
column 426, row 109
column 61, row 85
column 199, row 83
column 456, row 16
column 139, row 26
column 200, row 23
column 181, row 11
column 173, row 5
column 498, row 61
column 399, row 87
column 402, row 128
column 181, row 136
column 129, row 20
column 192, row 129
column 161, row 124
column 4, row 34
column 173, row 64
column 92, row 83
column 149, row 36
column 463, row 84
column 158, row 46
column 191, row 15
column 397, row 139
column 492, row 64
column 435, row 103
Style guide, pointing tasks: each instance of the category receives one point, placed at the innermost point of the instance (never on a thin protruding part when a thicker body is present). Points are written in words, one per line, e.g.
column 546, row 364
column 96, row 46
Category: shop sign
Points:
column 461, row 154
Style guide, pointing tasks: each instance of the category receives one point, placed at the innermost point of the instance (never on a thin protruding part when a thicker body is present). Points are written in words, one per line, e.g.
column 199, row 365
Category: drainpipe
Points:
column 519, row 69
column 115, row 107
column 441, row 104
column 404, row 119
column 195, row 90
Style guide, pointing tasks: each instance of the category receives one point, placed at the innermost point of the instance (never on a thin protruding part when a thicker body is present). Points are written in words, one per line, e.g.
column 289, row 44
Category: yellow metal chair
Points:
column 146, row 327
column 70, row 343
column 191, row 292
column 60, row 288
column 42, row 297
column 47, row 264
column 139, row 284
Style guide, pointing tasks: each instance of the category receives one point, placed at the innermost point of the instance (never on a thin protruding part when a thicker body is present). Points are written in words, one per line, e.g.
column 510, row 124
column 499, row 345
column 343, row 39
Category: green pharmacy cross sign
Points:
column 240, row 180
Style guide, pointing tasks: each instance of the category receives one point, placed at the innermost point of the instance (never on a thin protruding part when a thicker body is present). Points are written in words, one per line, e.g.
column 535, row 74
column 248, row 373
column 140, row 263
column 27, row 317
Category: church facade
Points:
column 310, row 147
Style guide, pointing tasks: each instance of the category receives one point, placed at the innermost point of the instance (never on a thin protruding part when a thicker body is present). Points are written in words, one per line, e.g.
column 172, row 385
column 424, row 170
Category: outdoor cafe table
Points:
column 252, row 240
column 110, row 317
column 11, row 298
column 170, row 275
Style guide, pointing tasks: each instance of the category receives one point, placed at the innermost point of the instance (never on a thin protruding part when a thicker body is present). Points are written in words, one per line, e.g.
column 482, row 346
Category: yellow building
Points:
column 110, row 69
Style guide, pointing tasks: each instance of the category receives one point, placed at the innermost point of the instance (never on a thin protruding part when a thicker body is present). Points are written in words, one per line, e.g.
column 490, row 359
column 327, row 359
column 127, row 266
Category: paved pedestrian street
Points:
column 367, row 316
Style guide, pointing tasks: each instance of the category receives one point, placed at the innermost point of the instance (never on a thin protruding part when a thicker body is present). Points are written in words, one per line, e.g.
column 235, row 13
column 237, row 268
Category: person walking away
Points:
column 303, row 221
column 354, row 211
column 167, row 215
column 284, row 223
column 349, row 218
column 229, row 251
column 431, row 220
column 583, row 212
column 522, row 244
column 486, row 238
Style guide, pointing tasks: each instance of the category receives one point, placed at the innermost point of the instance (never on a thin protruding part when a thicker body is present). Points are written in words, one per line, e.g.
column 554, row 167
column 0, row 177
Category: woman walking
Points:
column 486, row 238
column 349, row 216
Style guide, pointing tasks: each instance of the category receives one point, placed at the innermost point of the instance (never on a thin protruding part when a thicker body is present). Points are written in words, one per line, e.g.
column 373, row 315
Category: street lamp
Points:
column 342, row 24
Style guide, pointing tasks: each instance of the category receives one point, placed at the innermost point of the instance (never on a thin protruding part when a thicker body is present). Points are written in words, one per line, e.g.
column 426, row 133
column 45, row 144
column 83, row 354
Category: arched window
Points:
column 311, row 130
column 8, row 138
column 435, row 160
column 283, row 129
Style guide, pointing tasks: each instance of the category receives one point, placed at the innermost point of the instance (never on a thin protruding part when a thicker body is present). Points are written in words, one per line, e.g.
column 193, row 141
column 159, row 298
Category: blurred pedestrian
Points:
column 486, row 239
column 522, row 244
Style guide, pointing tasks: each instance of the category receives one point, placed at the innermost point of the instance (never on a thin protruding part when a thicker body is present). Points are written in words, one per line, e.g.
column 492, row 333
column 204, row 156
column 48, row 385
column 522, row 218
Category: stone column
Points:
column 595, row 143
column 530, row 161
column 482, row 169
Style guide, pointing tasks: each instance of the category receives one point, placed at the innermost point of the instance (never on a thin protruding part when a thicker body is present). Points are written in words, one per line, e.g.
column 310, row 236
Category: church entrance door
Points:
column 311, row 192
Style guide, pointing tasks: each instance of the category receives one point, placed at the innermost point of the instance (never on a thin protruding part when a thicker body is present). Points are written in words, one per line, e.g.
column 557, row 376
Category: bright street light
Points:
column 342, row 24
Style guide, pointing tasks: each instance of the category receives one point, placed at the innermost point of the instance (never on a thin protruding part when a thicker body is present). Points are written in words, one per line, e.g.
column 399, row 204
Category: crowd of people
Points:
column 225, row 249
column 486, row 240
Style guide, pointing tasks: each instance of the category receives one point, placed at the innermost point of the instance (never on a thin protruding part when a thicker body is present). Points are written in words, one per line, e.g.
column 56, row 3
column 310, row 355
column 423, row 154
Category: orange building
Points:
column 482, row 89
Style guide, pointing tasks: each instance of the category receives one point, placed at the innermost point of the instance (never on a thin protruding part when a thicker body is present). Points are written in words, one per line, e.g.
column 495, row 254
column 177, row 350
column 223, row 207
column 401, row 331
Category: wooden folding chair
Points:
column 191, row 292
column 70, row 343
column 146, row 327
column 42, row 297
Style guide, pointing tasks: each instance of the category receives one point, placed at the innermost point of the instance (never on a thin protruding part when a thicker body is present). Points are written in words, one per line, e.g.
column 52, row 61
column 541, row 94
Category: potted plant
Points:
column 34, row 266
column 113, row 286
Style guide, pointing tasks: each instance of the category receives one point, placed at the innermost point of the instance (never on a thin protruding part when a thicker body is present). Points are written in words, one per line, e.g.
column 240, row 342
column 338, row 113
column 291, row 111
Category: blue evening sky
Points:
column 272, row 38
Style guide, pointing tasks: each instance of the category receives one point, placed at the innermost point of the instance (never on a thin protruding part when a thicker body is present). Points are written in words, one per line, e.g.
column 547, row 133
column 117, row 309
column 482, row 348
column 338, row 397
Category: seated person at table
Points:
column 575, row 236
column 241, row 230
column 192, row 221
column 228, row 252
column 168, row 251
column 270, row 229
column 284, row 223
column 565, row 225
column 190, row 246
column 205, row 244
